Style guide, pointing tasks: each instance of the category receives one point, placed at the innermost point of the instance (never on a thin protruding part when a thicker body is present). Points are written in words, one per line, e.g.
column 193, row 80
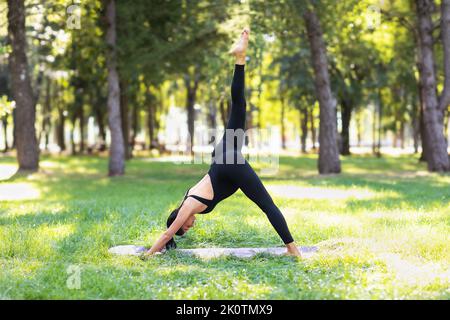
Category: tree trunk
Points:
column 328, row 151
column 304, row 126
column 46, row 123
column 73, row 146
column 135, row 125
column 116, row 150
column 26, row 143
column 150, row 101
column 190, row 102
column 5, row 132
column 437, row 156
column 124, row 111
column 358, row 128
column 212, row 114
column 380, row 128
column 151, row 125
column 81, row 124
column 223, row 112
column 346, row 114
column 60, row 137
column 313, row 129
column 415, row 125
column 99, row 117
column 444, row 99
column 282, row 123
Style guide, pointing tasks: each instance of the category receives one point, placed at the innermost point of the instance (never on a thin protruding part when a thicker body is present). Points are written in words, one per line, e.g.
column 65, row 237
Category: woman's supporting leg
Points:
column 248, row 181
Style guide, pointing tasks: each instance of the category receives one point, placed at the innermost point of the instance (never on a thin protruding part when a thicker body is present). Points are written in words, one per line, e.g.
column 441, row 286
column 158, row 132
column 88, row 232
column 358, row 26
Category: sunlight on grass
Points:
column 18, row 191
column 327, row 193
column 413, row 274
column 7, row 171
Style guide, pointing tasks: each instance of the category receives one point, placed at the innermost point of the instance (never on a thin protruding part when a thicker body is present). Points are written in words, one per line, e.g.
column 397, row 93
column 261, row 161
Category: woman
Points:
column 229, row 172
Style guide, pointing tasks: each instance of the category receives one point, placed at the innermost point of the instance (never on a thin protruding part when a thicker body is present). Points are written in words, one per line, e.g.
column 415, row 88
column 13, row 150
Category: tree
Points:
column 328, row 151
column 117, row 150
column 26, row 142
column 437, row 156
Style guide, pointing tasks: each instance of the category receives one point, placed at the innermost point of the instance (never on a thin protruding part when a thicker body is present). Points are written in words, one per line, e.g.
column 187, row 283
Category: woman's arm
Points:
column 183, row 215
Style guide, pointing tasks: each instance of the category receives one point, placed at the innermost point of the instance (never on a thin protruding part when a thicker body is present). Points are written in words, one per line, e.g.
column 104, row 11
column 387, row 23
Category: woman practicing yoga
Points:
column 229, row 172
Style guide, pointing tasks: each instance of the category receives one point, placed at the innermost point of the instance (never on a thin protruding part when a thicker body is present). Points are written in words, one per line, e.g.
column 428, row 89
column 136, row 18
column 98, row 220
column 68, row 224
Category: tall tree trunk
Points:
column 328, row 151
column 437, row 156
column 5, row 133
column 151, row 125
column 135, row 125
column 223, row 112
column 304, row 126
column 46, row 121
column 60, row 137
column 116, row 150
column 358, row 128
column 282, row 123
column 313, row 128
column 444, row 99
column 26, row 143
column 81, row 124
column 99, row 117
column 73, row 146
column 150, row 101
column 380, row 127
column 212, row 114
column 191, row 87
column 346, row 114
column 124, row 111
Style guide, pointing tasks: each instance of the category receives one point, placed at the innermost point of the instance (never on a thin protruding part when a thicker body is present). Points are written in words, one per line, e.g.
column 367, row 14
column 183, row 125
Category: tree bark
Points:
column 46, row 123
column 304, row 126
column 150, row 101
column 5, row 132
column 124, row 111
column 81, row 123
column 346, row 114
column 223, row 112
column 328, row 151
column 313, row 128
column 25, row 140
column 191, row 87
column 212, row 114
column 99, row 117
column 380, row 127
column 135, row 125
column 282, row 123
column 73, row 146
column 444, row 100
column 116, row 150
column 437, row 156
column 60, row 137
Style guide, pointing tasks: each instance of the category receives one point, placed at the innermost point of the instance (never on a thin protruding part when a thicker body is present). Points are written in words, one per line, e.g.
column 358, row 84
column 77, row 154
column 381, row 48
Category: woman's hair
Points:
column 172, row 216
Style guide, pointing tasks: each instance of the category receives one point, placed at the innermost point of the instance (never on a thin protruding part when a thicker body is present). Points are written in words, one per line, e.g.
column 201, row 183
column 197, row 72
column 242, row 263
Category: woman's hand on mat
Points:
column 147, row 255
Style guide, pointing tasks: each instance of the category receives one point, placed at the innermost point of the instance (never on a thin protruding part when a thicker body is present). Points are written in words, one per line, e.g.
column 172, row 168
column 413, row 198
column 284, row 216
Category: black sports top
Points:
column 210, row 204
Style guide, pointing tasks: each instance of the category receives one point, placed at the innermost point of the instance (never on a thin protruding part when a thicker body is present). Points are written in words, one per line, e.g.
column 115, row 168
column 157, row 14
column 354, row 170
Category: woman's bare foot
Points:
column 292, row 250
column 240, row 48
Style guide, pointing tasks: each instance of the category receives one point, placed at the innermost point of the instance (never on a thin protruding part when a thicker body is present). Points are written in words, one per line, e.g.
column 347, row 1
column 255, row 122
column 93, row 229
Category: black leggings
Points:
column 227, row 177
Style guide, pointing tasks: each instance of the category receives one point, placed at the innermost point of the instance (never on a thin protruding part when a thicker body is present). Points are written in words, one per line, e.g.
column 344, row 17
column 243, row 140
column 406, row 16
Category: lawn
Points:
column 382, row 228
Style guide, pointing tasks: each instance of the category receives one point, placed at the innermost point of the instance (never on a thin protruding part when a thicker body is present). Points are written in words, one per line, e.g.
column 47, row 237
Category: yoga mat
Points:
column 216, row 252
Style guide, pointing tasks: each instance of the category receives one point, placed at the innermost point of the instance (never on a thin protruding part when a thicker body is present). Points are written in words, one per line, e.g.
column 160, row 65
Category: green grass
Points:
column 382, row 228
